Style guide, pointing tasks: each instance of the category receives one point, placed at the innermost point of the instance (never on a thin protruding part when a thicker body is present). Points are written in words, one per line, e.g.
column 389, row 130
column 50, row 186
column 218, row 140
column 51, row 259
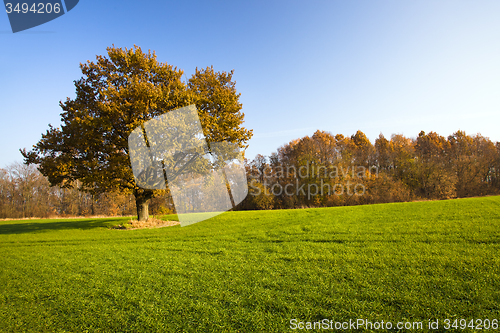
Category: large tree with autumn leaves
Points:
column 115, row 95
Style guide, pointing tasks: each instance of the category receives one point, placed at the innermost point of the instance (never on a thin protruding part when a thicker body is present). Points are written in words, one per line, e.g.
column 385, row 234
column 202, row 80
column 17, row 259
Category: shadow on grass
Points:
column 22, row 227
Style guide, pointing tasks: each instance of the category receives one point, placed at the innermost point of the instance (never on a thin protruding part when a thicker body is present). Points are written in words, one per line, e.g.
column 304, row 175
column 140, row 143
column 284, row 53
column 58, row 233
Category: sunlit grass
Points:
column 253, row 271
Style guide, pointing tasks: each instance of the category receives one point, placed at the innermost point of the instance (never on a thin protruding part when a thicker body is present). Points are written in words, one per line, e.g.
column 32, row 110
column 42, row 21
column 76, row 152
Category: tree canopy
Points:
column 325, row 170
column 115, row 95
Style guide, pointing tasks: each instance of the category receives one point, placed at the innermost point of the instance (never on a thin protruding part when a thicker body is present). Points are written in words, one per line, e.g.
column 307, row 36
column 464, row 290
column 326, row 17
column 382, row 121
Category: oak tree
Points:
column 117, row 94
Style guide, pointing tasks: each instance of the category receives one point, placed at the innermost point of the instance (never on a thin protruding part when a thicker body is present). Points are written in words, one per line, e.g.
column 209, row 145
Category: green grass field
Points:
column 254, row 271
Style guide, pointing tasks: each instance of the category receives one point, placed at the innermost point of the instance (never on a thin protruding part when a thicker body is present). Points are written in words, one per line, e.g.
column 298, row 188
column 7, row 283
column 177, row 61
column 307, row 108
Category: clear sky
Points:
column 377, row 66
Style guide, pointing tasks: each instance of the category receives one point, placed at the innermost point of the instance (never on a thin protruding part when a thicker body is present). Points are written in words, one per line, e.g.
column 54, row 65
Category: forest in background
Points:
column 321, row 170
column 391, row 170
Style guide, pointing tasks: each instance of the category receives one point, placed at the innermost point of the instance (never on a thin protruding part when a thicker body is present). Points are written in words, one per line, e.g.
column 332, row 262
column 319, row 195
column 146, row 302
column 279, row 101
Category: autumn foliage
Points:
column 330, row 170
column 390, row 170
column 116, row 94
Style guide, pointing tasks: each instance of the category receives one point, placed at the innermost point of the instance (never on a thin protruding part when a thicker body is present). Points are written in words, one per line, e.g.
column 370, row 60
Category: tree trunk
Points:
column 92, row 207
column 142, row 204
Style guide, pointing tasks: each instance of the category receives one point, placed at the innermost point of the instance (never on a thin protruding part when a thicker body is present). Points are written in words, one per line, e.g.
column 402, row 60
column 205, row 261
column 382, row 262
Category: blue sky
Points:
column 377, row 66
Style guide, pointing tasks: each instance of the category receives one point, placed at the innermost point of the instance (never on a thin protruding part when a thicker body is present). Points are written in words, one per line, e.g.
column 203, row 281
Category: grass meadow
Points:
column 255, row 271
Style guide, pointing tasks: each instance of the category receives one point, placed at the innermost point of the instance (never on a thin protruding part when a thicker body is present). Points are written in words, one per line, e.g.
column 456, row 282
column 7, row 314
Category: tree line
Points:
column 321, row 170
column 331, row 170
column 25, row 193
